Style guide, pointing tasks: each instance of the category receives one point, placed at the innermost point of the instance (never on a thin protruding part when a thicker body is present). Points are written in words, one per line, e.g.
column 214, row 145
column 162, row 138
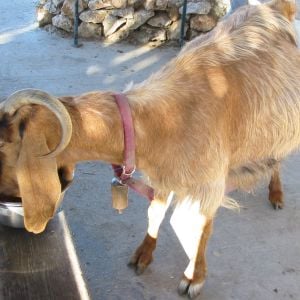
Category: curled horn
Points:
column 33, row 96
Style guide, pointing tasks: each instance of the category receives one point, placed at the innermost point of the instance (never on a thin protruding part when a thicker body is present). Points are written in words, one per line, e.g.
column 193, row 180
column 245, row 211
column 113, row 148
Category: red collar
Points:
column 124, row 173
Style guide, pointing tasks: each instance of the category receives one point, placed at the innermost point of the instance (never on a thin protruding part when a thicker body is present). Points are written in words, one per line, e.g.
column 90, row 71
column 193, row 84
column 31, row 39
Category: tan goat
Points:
column 222, row 113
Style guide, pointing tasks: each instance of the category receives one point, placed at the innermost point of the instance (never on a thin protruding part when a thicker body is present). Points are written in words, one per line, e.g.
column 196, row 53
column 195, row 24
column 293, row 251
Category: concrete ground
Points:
column 254, row 254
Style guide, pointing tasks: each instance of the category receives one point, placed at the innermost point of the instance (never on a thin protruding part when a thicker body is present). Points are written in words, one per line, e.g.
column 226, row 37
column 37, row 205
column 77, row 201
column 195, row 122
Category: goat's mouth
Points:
column 12, row 210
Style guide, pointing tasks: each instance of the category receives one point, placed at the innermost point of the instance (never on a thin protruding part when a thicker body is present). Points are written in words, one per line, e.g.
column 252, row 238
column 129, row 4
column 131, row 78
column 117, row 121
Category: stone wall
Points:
column 138, row 21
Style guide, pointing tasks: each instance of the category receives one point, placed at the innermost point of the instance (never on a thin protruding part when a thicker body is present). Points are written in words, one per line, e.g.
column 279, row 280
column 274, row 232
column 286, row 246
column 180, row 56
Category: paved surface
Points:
column 254, row 254
column 34, row 267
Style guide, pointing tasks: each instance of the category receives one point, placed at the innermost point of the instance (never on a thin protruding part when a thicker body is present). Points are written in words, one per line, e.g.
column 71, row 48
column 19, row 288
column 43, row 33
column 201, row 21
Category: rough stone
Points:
column 173, row 32
column 139, row 18
column 147, row 34
column 99, row 4
column 93, row 16
column 135, row 3
column 118, row 23
column 203, row 23
column 191, row 34
column 52, row 29
column 123, row 12
column 160, row 35
column 118, row 36
column 52, row 6
column 175, row 3
column 122, row 18
column 161, row 4
column 89, row 30
column 68, row 8
column 119, row 3
column 57, row 31
column 63, row 22
column 58, row 3
column 201, row 8
column 173, row 13
column 107, row 23
column 161, row 19
column 149, row 4
column 44, row 17
column 220, row 8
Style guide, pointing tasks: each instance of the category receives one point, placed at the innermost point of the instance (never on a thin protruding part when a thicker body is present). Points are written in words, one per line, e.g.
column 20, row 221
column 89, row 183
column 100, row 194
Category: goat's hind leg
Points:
column 156, row 213
column 195, row 273
column 192, row 223
column 247, row 176
column 275, row 189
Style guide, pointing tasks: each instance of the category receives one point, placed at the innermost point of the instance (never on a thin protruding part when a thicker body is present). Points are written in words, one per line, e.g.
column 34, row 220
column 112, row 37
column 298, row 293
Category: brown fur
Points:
column 218, row 114
column 275, row 190
column 143, row 254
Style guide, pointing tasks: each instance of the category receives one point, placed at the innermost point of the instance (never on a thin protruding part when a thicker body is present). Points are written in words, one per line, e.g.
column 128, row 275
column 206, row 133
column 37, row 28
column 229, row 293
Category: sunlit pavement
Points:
column 254, row 254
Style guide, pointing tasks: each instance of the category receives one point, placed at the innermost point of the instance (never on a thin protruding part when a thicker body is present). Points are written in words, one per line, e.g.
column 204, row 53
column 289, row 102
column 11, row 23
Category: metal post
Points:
column 76, row 21
column 183, row 18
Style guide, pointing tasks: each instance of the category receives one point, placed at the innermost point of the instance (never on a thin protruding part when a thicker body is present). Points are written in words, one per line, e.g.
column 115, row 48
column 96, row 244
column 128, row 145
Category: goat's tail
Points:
column 230, row 203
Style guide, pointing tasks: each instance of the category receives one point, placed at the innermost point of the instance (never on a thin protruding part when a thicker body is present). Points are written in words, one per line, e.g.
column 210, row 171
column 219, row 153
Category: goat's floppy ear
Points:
column 38, row 180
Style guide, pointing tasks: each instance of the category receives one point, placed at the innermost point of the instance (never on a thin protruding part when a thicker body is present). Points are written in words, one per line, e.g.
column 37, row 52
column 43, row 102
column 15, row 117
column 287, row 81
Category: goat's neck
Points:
column 98, row 131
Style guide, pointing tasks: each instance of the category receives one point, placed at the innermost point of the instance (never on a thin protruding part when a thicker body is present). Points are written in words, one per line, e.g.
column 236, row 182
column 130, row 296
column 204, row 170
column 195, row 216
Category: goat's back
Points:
column 231, row 96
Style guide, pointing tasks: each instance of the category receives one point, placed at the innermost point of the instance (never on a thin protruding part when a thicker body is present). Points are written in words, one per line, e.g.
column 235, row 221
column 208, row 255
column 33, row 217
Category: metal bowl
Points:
column 12, row 213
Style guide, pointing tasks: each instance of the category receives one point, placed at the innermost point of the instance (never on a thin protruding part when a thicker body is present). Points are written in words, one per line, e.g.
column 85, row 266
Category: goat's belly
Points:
column 247, row 175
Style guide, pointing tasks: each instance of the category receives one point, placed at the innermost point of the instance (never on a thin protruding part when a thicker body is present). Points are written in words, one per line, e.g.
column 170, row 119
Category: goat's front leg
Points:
column 275, row 189
column 156, row 213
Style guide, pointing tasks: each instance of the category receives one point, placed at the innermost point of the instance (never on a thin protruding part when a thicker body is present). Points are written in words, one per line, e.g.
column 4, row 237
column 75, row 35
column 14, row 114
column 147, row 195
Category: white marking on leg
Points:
column 156, row 214
column 188, row 224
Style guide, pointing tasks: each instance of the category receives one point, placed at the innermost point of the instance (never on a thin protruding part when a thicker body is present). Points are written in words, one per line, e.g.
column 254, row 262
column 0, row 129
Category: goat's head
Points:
column 29, row 132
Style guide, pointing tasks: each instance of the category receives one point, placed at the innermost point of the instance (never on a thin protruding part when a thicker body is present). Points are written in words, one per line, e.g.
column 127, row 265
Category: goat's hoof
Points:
column 278, row 206
column 139, row 262
column 138, row 267
column 143, row 255
column 191, row 288
column 276, row 199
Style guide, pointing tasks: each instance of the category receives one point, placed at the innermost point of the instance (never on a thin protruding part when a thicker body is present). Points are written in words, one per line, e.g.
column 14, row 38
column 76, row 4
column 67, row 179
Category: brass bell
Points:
column 119, row 194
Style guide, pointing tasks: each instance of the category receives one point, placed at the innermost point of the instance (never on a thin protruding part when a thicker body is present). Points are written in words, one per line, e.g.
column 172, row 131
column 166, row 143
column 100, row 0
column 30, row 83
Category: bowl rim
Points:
column 10, row 204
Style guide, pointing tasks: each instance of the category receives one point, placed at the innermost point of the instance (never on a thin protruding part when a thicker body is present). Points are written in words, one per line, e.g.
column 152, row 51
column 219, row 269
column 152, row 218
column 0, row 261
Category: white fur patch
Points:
column 156, row 214
column 188, row 224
